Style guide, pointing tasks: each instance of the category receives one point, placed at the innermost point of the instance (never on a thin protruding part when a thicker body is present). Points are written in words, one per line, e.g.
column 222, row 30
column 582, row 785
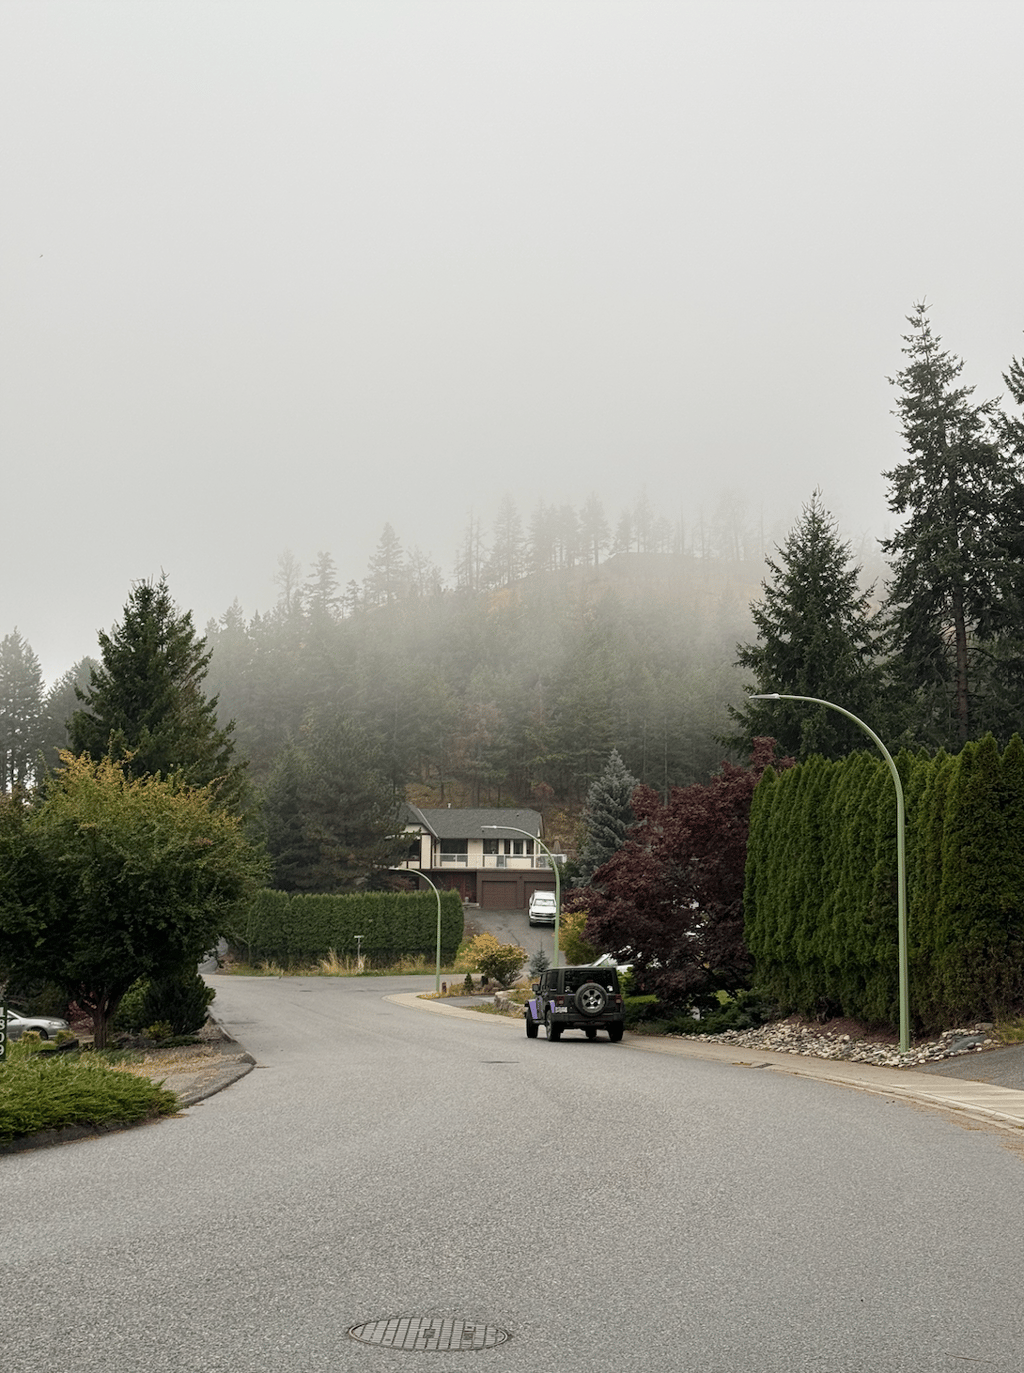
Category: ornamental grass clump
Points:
column 51, row 1091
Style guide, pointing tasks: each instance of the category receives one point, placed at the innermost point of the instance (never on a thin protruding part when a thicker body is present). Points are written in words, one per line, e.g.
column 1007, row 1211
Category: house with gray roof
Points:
column 498, row 869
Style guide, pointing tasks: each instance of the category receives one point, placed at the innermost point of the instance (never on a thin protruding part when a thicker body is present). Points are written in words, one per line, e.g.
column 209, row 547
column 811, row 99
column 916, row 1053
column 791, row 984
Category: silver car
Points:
column 45, row 1026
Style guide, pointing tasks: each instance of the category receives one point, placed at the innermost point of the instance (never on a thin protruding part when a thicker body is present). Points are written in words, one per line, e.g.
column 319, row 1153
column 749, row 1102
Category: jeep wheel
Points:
column 591, row 999
column 552, row 1031
column 531, row 1026
column 615, row 1033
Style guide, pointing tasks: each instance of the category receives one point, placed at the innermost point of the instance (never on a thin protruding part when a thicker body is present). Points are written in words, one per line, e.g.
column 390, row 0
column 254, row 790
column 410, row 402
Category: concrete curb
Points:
column 977, row 1101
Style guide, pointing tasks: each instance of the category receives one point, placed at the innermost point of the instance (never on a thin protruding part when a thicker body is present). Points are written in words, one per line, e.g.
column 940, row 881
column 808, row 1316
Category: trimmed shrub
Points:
column 502, row 962
column 128, row 1019
column 180, row 1001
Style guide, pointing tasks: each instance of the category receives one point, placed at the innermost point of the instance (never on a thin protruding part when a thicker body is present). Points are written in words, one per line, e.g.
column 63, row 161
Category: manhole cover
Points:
column 424, row 1332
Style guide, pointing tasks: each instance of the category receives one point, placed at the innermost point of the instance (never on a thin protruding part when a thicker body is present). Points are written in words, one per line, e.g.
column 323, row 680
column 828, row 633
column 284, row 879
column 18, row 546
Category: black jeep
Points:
column 580, row 998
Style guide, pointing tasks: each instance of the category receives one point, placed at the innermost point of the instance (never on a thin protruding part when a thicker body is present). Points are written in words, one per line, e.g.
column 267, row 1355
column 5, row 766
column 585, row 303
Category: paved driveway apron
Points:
column 603, row 1206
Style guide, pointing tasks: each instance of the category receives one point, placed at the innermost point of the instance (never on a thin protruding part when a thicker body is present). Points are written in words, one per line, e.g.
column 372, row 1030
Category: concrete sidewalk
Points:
column 973, row 1100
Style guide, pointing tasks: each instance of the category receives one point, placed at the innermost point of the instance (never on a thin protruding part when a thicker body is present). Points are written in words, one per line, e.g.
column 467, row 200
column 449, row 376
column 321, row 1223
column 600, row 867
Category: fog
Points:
column 275, row 274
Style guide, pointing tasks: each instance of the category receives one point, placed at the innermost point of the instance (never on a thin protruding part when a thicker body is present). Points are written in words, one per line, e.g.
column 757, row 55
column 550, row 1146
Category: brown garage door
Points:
column 530, row 887
column 498, row 896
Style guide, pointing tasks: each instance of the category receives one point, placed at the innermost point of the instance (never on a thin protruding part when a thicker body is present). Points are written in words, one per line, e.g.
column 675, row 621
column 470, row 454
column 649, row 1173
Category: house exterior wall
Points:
column 494, row 881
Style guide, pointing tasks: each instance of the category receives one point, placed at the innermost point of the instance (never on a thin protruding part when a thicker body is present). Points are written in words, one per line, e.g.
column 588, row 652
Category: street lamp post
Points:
column 554, row 867
column 901, row 855
column 437, row 892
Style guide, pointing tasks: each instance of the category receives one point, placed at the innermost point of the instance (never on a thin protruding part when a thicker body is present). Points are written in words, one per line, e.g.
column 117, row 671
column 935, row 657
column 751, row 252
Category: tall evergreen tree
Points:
column 607, row 816
column 386, row 576
column 1003, row 713
column 321, row 591
column 957, row 489
column 59, row 705
column 594, row 533
column 21, row 709
column 816, row 637
column 145, row 706
column 289, row 578
column 331, row 814
column 470, row 559
column 507, row 561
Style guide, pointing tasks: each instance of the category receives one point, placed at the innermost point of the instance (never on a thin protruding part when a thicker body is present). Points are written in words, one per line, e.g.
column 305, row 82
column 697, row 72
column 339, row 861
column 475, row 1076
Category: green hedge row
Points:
column 820, row 905
column 296, row 929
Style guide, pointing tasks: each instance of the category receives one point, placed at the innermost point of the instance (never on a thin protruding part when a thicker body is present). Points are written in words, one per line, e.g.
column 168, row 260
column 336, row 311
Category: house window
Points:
column 455, row 851
column 491, row 846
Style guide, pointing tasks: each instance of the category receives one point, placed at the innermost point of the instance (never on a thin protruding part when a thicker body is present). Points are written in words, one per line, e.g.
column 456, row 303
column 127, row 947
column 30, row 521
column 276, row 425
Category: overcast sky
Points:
column 274, row 274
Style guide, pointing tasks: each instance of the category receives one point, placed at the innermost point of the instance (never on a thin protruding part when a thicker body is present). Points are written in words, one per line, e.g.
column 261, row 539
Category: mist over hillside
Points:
column 512, row 694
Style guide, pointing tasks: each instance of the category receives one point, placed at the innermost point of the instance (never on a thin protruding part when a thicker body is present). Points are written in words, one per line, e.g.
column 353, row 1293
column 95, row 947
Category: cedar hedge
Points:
column 820, row 886
column 295, row 929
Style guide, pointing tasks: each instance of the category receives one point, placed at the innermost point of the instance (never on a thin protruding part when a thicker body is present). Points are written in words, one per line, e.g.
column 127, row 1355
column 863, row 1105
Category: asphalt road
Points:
column 609, row 1208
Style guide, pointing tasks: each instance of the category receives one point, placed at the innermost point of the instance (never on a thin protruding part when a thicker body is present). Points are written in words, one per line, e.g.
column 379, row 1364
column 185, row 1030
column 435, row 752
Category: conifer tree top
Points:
column 145, row 705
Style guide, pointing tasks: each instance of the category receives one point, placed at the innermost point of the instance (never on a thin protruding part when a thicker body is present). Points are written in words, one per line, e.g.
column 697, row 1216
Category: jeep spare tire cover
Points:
column 591, row 999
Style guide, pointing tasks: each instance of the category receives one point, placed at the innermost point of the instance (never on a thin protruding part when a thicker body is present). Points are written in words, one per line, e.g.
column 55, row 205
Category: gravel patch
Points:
column 792, row 1037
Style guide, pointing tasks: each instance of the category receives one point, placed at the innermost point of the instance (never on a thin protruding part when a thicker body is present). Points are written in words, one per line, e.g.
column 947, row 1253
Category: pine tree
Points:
column 145, row 706
column 386, row 576
column 321, row 591
column 607, row 816
column 21, row 710
column 816, row 637
column 957, row 489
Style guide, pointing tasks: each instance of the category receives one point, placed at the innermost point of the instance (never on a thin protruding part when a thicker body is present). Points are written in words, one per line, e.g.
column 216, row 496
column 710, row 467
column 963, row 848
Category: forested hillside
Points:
column 503, row 695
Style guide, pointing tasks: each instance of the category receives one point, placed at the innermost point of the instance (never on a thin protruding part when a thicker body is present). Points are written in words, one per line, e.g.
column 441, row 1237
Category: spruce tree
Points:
column 607, row 816
column 145, row 707
column 958, row 492
column 816, row 637
column 21, row 709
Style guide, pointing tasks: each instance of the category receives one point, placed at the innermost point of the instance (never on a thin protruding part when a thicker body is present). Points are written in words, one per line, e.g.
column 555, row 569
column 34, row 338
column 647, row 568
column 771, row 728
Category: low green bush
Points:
column 637, row 1009
column 502, row 962
column 181, row 1002
column 50, row 1091
column 128, row 1016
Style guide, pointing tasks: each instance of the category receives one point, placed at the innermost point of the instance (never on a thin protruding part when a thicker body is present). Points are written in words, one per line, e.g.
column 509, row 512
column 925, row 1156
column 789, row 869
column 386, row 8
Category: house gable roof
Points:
column 468, row 824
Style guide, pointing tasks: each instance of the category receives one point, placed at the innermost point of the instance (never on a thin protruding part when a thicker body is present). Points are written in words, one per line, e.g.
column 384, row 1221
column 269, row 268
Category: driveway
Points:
column 513, row 927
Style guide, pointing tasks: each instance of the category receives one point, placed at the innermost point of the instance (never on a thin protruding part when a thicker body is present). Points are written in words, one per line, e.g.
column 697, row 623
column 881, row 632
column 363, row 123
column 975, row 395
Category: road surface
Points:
column 608, row 1209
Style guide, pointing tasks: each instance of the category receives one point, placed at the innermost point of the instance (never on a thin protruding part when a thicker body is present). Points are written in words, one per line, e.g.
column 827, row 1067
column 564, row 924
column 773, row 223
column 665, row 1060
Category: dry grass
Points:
column 184, row 1058
column 334, row 965
column 1010, row 1031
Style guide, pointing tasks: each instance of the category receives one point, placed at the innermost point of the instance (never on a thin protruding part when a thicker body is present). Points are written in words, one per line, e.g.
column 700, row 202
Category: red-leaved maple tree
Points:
column 671, row 898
